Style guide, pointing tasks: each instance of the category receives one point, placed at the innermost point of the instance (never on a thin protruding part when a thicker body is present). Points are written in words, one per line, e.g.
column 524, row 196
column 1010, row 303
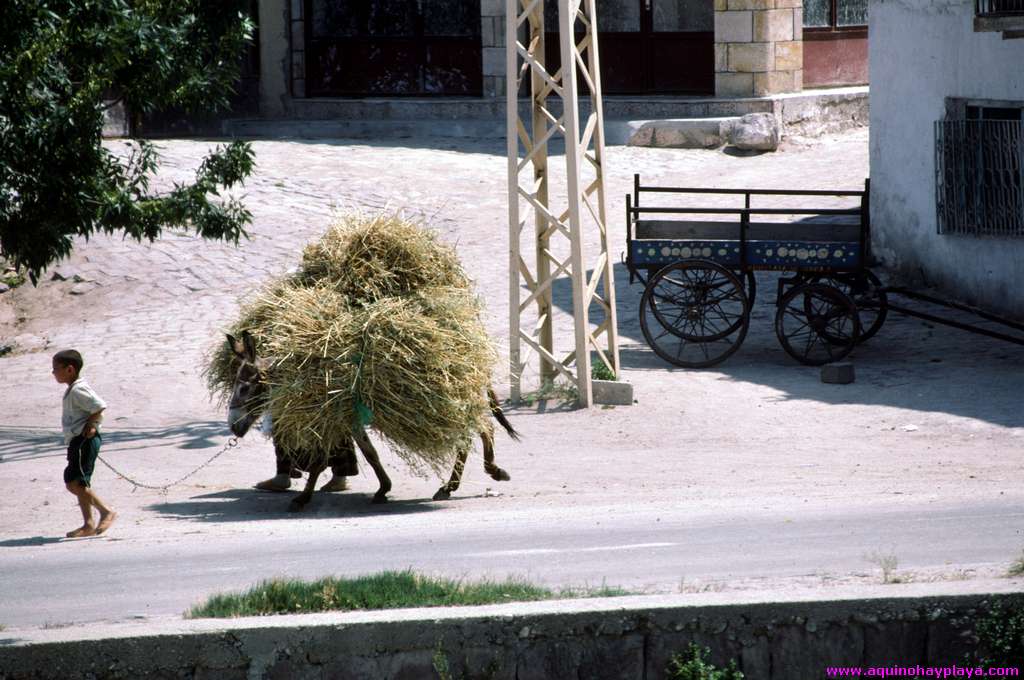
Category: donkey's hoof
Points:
column 379, row 498
column 500, row 475
column 442, row 494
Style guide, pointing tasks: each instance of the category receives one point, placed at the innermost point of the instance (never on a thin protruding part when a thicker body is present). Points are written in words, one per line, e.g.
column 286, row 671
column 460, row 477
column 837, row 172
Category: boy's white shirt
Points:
column 80, row 402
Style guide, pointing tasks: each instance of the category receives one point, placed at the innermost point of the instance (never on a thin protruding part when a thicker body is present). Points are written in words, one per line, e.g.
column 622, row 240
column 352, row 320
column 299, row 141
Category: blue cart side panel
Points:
column 788, row 255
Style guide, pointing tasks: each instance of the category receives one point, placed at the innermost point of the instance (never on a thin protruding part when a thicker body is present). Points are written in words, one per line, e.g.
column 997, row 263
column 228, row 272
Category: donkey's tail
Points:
column 499, row 415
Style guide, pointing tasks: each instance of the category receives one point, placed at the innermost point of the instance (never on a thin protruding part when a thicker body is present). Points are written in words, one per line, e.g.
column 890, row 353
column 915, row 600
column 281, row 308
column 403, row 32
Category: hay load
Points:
column 370, row 258
column 379, row 327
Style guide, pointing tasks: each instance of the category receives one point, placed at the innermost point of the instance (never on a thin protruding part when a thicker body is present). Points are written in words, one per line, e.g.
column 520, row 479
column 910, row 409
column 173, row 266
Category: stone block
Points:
column 774, row 82
column 734, row 84
column 798, row 23
column 798, row 82
column 734, row 27
column 773, row 25
column 499, row 31
column 487, row 32
column 298, row 65
column 756, row 132
column 298, row 35
column 789, row 4
column 839, row 373
column 789, row 56
column 612, row 392
column 752, row 57
column 721, row 5
column 296, row 7
column 492, row 8
column 299, row 88
column 721, row 58
column 751, row 4
column 494, row 61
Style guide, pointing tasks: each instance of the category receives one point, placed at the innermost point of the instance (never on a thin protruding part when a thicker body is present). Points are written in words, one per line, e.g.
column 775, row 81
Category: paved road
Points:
column 657, row 550
column 920, row 456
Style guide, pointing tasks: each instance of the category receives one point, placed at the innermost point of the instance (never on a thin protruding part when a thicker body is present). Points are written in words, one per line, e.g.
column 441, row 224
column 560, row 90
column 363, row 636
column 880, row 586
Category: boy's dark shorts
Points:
column 82, row 454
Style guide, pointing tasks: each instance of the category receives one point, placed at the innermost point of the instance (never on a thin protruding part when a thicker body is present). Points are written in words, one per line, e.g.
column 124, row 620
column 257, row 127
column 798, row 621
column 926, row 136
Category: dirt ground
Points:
column 934, row 418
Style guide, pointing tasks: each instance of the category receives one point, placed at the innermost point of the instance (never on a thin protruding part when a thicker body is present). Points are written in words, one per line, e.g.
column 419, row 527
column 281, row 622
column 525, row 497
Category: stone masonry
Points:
column 758, row 47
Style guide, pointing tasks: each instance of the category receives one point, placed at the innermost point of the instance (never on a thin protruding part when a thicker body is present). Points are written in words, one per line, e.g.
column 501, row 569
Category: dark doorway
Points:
column 393, row 48
column 648, row 46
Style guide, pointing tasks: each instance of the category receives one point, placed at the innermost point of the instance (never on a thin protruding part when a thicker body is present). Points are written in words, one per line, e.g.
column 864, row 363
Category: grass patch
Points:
column 12, row 277
column 551, row 390
column 386, row 590
column 600, row 370
column 693, row 665
column 1017, row 567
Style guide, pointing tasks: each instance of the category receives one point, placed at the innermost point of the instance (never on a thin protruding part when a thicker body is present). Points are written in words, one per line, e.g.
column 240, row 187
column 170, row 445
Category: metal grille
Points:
column 990, row 8
column 979, row 166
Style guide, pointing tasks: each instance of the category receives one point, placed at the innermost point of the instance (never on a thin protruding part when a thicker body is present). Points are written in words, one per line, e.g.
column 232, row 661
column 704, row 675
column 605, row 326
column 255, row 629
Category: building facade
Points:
column 456, row 48
column 947, row 145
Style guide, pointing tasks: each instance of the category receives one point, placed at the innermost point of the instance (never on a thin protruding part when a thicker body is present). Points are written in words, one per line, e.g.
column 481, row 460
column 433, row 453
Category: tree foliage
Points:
column 61, row 64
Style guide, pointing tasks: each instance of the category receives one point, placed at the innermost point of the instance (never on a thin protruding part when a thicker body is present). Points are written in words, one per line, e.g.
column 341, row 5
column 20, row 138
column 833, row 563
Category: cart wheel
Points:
column 866, row 292
column 817, row 324
column 694, row 314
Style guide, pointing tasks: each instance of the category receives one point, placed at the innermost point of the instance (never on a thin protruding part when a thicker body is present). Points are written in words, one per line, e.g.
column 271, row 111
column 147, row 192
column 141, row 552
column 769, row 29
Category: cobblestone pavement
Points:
column 934, row 417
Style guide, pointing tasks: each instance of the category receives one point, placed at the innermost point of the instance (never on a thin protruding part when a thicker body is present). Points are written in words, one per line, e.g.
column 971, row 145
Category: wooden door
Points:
column 649, row 46
column 393, row 48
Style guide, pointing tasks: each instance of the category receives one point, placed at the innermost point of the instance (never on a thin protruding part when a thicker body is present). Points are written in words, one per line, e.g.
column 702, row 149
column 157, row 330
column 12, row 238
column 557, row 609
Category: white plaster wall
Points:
column 922, row 51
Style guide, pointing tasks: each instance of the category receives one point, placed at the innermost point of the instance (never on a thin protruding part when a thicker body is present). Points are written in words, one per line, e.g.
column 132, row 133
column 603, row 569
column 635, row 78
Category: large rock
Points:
column 756, row 132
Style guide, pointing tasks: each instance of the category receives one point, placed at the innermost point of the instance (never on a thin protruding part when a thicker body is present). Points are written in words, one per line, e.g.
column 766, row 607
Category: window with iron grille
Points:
column 979, row 166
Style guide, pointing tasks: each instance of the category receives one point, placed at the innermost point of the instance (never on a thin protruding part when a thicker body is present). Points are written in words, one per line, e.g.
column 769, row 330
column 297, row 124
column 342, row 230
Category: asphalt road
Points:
column 642, row 549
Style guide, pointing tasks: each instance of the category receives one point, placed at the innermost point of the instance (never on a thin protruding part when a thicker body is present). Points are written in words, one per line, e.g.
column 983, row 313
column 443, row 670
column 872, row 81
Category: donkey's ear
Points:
column 250, row 346
column 236, row 346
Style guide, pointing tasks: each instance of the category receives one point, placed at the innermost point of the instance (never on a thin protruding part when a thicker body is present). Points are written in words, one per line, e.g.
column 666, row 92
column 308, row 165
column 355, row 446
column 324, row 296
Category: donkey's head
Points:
column 249, row 395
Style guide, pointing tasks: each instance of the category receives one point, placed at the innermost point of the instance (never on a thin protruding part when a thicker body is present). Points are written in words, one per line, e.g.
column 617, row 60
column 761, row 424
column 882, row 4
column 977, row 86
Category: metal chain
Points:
column 230, row 444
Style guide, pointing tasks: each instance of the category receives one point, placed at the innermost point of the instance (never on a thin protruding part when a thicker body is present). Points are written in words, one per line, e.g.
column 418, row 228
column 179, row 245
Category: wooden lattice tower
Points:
column 529, row 180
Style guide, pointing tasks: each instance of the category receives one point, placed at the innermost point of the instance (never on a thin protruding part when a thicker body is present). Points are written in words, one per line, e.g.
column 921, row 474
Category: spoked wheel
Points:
column 817, row 324
column 694, row 313
column 866, row 292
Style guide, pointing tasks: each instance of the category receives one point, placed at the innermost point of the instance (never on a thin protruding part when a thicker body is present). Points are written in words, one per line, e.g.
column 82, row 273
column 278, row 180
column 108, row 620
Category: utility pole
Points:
column 558, row 232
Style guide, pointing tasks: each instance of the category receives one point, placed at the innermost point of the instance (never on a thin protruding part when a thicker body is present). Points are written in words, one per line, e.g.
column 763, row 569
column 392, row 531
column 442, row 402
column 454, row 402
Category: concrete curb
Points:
column 795, row 637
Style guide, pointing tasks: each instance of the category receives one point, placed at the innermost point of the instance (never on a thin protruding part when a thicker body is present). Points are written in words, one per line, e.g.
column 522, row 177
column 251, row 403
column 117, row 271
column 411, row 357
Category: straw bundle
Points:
column 367, row 258
column 415, row 368
column 379, row 327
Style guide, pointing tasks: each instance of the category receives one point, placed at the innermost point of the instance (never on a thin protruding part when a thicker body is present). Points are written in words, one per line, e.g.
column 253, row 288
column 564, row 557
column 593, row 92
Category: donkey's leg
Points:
column 300, row 501
column 445, row 492
column 370, row 453
column 496, row 473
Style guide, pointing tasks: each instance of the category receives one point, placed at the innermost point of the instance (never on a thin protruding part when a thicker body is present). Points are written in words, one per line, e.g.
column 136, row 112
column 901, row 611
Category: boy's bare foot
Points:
column 82, row 532
column 105, row 521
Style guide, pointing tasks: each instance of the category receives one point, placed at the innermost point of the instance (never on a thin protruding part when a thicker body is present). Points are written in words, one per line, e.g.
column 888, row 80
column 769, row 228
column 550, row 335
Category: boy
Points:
column 80, row 420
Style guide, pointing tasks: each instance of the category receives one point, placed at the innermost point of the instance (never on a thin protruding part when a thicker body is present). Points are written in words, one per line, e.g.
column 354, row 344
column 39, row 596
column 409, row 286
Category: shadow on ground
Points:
column 249, row 504
column 32, row 541
column 30, row 443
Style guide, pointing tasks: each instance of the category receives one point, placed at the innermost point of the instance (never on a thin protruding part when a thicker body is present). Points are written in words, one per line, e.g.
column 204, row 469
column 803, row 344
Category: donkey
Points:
column 249, row 399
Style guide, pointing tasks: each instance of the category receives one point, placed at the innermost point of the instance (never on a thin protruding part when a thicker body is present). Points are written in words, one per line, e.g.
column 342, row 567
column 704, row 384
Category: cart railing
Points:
column 634, row 210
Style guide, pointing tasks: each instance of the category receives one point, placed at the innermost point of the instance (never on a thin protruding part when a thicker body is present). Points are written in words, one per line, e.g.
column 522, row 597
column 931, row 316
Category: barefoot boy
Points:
column 80, row 420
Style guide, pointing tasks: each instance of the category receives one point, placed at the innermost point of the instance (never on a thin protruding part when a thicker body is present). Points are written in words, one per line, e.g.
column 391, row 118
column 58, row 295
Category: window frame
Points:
column 833, row 31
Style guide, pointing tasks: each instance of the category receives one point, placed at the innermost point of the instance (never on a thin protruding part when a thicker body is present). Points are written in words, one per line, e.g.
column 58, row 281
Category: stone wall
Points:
column 624, row 638
column 758, row 47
